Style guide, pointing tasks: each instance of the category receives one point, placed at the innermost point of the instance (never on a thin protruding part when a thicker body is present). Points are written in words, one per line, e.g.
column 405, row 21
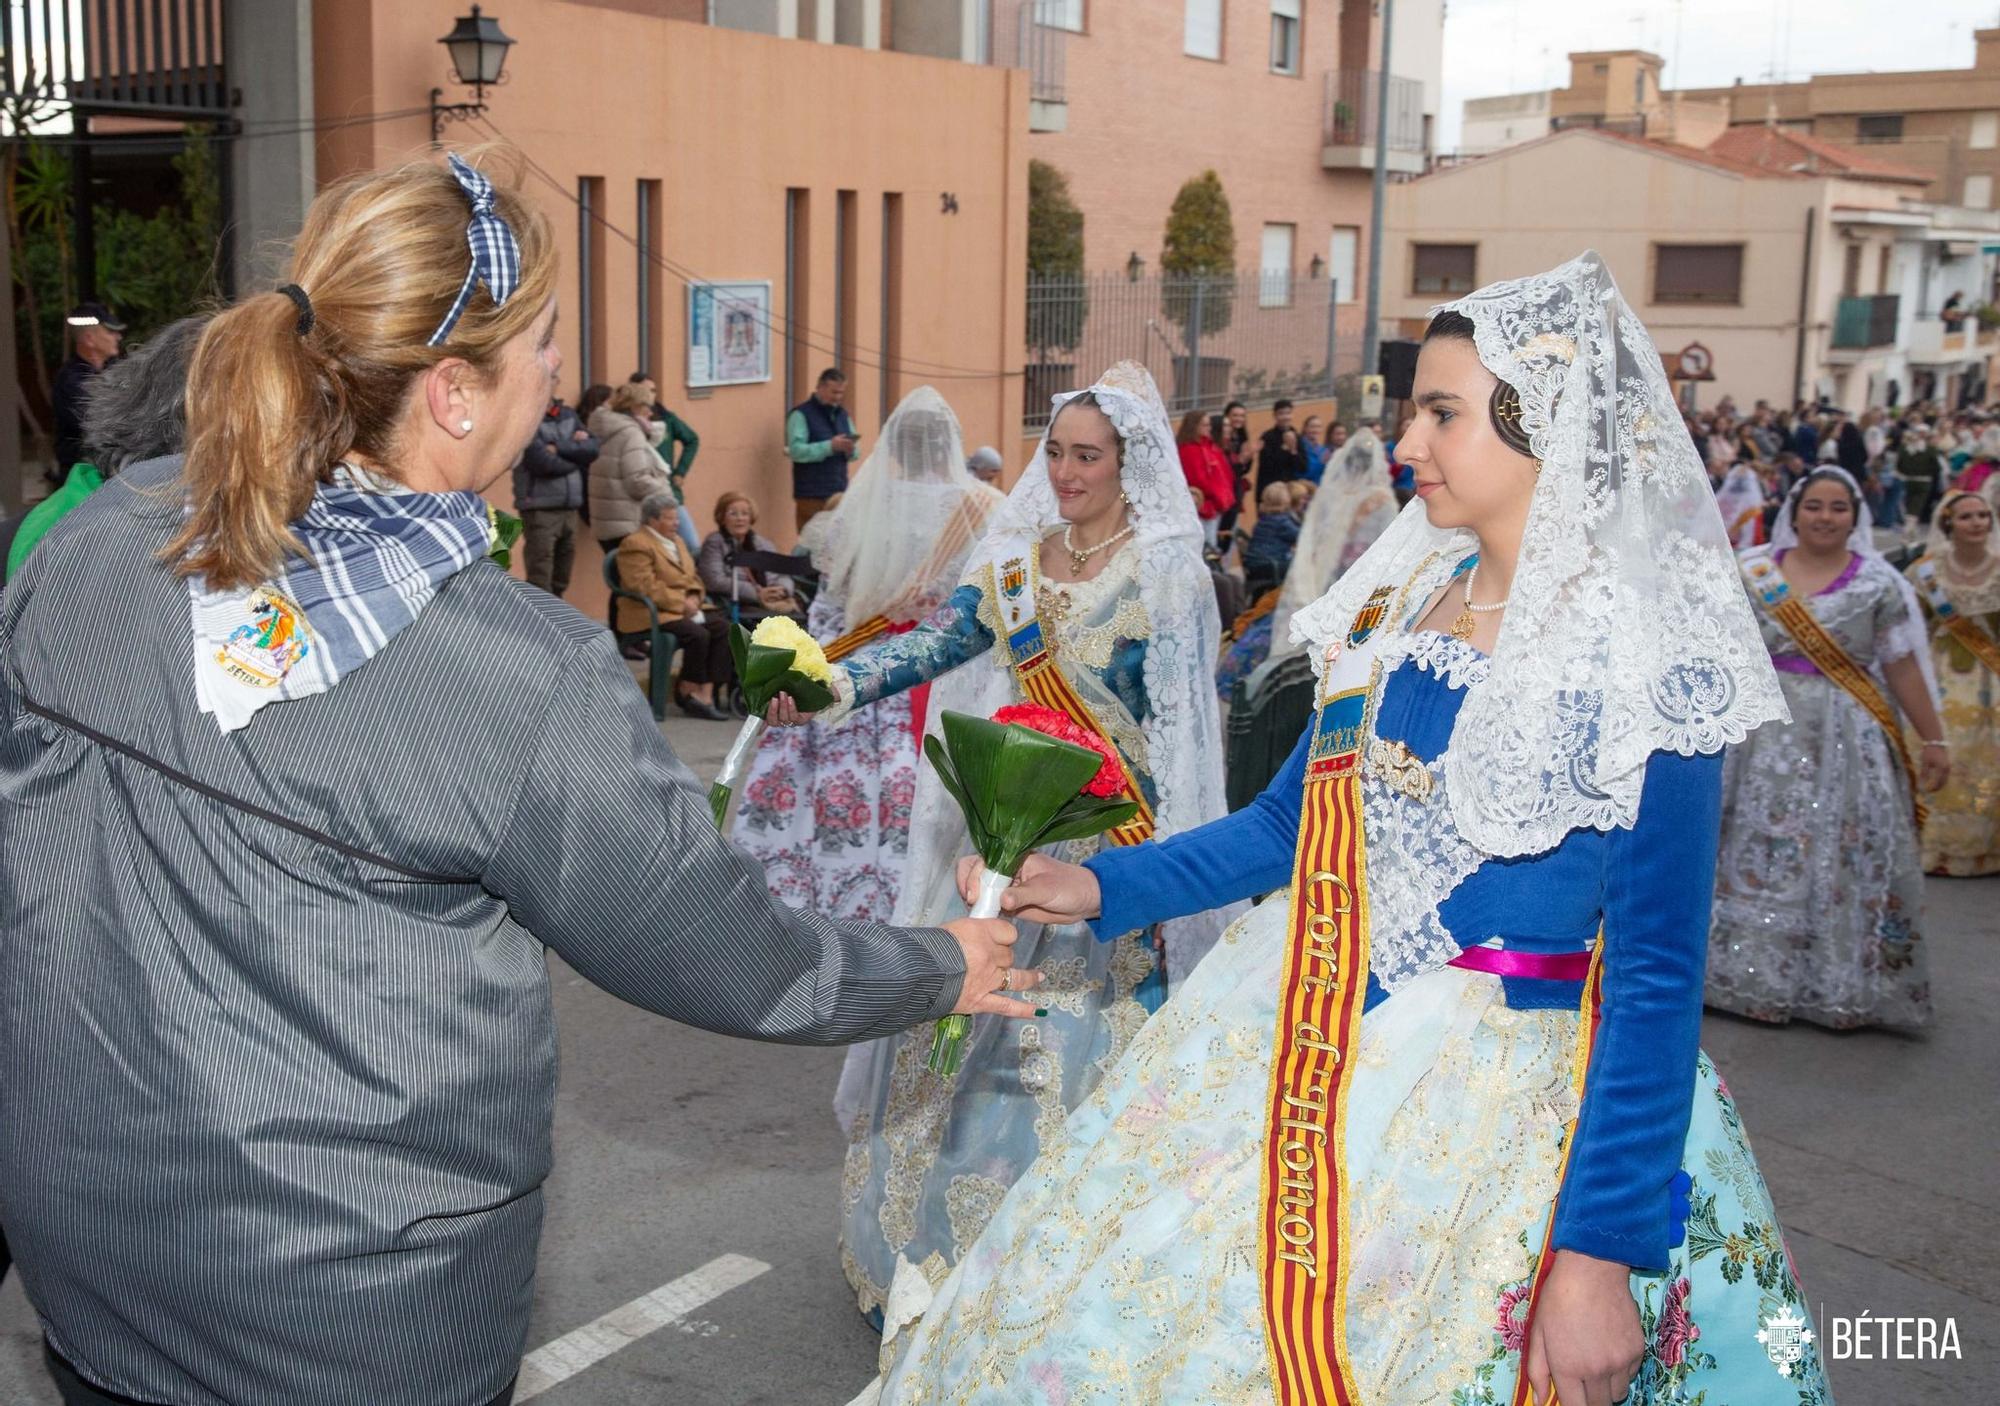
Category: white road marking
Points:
column 571, row 1353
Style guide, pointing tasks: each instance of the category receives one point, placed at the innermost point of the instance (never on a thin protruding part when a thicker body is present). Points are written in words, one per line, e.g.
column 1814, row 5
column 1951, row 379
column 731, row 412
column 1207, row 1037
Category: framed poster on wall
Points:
column 729, row 333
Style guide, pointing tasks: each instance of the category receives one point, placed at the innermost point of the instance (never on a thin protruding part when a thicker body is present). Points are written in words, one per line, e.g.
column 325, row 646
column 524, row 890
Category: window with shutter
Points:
column 1344, row 262
column 1443, row 268
column 1285, row 36
column 1202, row 37
column 1698, row 273
column 1274, row 281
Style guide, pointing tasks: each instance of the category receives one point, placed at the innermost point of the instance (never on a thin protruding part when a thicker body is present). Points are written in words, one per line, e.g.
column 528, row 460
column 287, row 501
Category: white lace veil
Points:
column 1183, row 729
column 897, row 540
column 1354, row 488
column 1911, row 636
column 1628, row 631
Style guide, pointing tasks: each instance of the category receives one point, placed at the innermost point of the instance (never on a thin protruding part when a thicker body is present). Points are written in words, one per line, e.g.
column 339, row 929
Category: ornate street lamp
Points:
column 1135, row 267
column 478, row 49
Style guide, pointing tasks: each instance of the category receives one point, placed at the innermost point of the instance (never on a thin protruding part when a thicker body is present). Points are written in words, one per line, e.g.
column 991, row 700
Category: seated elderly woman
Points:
column 752, row 594
column 655, row 563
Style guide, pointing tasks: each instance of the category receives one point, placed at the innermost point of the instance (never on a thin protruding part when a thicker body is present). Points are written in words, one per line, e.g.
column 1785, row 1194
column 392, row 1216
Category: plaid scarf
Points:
column 375, row 555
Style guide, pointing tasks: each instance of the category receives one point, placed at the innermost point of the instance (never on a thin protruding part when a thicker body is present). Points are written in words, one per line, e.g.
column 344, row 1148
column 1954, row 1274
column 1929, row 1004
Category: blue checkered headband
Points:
column 496, row 254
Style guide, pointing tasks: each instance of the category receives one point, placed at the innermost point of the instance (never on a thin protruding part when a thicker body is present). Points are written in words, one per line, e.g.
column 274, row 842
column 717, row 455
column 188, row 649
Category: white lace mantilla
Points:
column 1628, row 632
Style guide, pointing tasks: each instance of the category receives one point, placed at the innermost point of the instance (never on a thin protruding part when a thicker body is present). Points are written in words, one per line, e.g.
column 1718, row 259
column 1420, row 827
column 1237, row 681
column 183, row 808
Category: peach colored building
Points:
column 1794, row 283
column 1944, row 122
column 881, row 197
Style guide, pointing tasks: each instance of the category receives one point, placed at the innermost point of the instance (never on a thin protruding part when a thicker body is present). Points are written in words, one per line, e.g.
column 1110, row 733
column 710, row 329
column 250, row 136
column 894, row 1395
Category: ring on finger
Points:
column 1007, row 979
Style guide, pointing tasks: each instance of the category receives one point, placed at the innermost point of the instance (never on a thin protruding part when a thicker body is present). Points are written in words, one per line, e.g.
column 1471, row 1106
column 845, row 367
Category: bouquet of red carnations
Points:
column 1029, row 777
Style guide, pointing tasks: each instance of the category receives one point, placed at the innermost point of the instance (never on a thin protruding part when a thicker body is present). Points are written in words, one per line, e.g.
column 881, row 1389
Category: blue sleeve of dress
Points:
column 1658, row 886
column 1239, row 855
column 948, row 639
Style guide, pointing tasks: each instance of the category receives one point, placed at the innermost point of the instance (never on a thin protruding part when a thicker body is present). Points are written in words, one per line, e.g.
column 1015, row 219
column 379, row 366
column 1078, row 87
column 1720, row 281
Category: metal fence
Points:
column 1253, row 337
column 159, row 57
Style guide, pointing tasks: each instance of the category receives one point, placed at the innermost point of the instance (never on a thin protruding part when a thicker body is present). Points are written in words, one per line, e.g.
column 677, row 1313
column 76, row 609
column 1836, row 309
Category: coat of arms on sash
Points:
column 1369, row 618
column 1013, row 577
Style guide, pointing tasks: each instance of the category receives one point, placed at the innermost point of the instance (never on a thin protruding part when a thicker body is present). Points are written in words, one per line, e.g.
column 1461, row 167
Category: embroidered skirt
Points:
column 1125, row 1263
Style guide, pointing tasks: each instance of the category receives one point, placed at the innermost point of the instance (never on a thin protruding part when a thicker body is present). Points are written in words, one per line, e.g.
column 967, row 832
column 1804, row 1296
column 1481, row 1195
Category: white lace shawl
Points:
column 1629, row 631
column 1183, row 729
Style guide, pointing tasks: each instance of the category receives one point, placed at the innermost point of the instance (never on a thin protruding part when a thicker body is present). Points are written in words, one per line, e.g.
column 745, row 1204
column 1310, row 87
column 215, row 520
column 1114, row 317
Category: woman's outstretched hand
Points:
column 1585, row 1340
column 993, row 984
column 1045, row 891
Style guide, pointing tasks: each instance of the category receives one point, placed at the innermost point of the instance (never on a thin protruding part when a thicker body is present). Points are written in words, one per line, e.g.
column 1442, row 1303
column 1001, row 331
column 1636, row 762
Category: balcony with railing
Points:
column 1353, row 115
column 1034, row 34
column 1862, row 324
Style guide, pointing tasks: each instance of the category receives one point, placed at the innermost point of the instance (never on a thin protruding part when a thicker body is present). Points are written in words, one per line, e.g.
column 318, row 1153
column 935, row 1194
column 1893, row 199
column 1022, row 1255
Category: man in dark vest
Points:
column 95, row 337
column 819, row 440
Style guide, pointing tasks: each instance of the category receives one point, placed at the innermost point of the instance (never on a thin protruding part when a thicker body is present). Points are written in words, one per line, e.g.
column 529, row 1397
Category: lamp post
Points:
column 478, row 49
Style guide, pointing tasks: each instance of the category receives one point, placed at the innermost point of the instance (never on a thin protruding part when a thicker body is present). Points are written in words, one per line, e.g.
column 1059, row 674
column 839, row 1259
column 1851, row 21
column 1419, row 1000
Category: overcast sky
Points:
column 1518, row 46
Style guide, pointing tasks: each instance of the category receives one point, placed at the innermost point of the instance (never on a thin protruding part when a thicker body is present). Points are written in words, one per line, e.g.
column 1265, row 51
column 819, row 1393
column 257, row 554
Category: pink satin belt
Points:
column 1543, row 966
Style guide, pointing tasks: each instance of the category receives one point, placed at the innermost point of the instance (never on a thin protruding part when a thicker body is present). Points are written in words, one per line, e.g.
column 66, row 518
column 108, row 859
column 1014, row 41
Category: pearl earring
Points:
column 465, row 426
column 1124, row 498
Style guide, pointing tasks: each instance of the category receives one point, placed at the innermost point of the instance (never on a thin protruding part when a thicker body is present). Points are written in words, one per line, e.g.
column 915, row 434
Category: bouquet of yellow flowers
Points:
column 777, row 657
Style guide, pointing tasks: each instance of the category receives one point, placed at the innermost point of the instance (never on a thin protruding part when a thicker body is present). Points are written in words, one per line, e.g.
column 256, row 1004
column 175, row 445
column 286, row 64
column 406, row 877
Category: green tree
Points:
column 37, row 192
column 1058, row 300
column 159, row 267
column 1200, row 253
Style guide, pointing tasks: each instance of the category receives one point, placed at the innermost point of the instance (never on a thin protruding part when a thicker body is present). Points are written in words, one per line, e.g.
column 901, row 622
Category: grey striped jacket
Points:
column 277, row 1057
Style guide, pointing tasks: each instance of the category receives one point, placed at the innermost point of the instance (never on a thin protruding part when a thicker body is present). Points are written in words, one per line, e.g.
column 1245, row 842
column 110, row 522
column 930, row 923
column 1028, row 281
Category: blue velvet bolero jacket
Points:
column 1649, row 887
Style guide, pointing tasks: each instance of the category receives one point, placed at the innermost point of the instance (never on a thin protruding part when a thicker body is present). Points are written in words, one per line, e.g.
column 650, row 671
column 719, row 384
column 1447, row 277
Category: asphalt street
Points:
column 696, row 1179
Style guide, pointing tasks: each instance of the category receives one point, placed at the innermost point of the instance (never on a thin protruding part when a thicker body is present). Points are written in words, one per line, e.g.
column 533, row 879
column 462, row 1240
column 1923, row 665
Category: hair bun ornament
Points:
column 1505, row 408
column 302, row 303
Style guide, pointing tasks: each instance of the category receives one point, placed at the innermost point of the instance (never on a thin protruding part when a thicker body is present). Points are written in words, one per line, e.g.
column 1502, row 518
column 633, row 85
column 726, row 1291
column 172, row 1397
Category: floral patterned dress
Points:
column 1819, row 891
column 1962, row 834
column 826, row 810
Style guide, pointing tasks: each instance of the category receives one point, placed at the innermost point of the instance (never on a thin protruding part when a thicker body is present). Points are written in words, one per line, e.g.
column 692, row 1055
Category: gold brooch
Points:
column 1397, row 766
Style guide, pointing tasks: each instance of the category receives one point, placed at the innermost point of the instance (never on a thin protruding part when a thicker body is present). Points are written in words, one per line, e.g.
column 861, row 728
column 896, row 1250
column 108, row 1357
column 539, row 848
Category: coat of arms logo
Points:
column 1785, row 1337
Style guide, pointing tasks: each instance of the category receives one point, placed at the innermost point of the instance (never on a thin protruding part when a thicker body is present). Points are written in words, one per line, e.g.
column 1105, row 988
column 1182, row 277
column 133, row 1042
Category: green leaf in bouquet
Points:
column 507, row 530
column 1017, row 778
column 1092, row 815
column 940, row 760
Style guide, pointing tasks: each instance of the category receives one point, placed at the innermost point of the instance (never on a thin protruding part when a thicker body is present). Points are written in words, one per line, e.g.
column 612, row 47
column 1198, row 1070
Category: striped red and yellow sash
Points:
column 1042, row 680
column 1302, row 1227
column 1830, row 659
column 864, row 633
column 1589, row 1018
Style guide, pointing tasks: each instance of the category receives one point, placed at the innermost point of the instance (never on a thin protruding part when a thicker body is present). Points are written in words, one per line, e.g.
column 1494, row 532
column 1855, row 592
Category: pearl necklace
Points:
column 1465, row 624
column 1080, row 556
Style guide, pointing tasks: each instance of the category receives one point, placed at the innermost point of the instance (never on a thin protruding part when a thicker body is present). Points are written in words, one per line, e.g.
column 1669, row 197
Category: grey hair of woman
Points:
column 654, row 504
column 138, row 404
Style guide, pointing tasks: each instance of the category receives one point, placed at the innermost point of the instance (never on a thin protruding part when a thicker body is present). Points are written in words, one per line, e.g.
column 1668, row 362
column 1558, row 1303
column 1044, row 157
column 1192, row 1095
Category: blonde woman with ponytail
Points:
column 295, row 788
